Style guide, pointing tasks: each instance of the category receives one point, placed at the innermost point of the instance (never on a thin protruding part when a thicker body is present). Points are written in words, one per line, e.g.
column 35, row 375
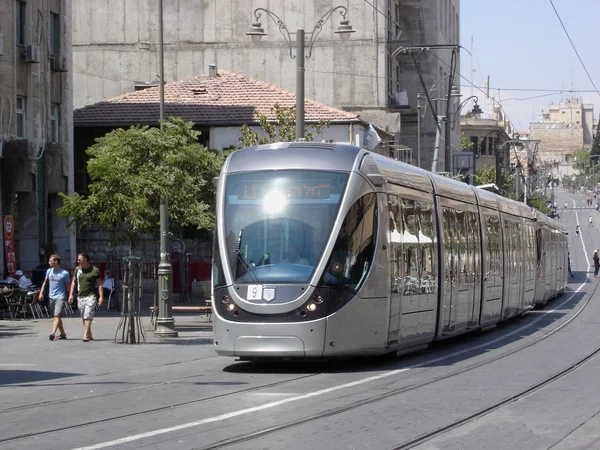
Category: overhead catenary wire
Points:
column 574, row 48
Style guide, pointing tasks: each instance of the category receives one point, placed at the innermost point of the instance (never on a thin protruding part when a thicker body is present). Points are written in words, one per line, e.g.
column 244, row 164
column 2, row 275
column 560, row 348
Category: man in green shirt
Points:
column 88, row 281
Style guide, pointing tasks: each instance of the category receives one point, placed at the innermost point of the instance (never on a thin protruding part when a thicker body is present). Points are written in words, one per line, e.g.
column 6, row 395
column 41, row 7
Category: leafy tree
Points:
column 539, row 202
column 487, row 175
column 596, row 142
column 132, row 170
column 465, row 144
column 283, row 129
column 581, row 160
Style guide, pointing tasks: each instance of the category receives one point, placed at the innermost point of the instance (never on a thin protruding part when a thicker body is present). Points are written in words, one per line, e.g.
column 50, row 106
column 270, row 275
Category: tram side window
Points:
column 411, row 246
column 449, row 242
column 217, row 267
column 396, row 231
column 538, row 247
column 493, row 245
column 426, row 236
column 353, row 252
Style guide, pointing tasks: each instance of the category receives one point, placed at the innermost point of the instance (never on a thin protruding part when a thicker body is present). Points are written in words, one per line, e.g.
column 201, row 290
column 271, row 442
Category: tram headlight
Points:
column 311, row 307
column 225, row 298
column 230, row 306
column 318, row 299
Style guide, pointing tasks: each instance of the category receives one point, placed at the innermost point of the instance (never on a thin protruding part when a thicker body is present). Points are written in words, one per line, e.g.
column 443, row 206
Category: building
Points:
column 115, row 49
column 567, row 128
column 35, row 127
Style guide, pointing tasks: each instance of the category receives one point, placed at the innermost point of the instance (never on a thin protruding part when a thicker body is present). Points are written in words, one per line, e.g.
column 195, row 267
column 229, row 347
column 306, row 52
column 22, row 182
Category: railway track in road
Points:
column 435, row 433
column 333, row 411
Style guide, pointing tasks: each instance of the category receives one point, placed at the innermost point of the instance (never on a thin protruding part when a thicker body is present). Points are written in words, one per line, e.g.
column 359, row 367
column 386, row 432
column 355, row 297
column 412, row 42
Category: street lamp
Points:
column 256, row 32
column 165, row 324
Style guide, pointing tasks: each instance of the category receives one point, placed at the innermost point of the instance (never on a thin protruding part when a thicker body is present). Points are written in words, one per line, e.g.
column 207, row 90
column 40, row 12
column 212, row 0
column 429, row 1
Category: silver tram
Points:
column 328, row 250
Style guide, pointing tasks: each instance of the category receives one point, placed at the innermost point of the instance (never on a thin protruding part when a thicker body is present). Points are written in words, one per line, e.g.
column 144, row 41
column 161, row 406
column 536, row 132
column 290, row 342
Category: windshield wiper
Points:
column 241, row 260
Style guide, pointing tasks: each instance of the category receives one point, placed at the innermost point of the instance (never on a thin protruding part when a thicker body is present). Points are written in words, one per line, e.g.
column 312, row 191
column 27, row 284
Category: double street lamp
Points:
column 256, row 32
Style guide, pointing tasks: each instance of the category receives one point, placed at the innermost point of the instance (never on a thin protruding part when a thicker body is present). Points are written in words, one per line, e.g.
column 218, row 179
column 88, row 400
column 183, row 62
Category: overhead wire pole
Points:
column 165, row 323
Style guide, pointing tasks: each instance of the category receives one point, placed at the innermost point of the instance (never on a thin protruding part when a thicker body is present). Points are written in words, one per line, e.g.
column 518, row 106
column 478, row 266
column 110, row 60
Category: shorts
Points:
column 87, row 306
column 57, row 306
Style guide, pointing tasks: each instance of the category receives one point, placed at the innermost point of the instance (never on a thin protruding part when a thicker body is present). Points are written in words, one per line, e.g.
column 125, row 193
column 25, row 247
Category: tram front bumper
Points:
column 270, row 340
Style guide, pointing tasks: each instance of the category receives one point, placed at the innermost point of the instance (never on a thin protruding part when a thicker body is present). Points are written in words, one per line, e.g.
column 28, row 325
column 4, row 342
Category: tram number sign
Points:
column 303, row 191
column 255, row 292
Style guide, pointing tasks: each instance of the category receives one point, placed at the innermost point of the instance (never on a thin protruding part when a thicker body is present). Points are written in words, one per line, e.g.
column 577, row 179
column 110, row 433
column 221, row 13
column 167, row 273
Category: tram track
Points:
column 424, row 438
column 291, row 424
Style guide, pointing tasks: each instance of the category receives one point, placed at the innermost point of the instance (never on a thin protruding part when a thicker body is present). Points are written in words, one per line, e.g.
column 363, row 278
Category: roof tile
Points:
column 225, row 99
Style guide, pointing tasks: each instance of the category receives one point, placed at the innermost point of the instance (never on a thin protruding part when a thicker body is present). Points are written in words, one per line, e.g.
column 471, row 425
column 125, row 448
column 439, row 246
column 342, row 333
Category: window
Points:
column 475, row 142
column 55, row 123
column 21, row 117
column 20, row 22
column 353, row 252
column 54, row 33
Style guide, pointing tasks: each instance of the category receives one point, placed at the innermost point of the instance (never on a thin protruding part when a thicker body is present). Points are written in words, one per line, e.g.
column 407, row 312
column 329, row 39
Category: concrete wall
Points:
column 41, row 86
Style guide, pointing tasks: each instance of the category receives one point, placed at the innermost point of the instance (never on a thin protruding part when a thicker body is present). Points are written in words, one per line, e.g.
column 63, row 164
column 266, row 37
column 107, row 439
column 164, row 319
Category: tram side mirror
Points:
column 377, row 179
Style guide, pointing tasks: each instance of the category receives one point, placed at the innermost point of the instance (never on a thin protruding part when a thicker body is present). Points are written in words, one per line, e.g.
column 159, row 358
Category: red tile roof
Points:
column 225, row 99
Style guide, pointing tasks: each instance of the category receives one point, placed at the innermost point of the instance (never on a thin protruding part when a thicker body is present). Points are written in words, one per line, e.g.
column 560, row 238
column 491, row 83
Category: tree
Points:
column 596, row 142
column 581, row 160
column 132, row 170
column 283, row 129
column 487, row 175
column 465, row 144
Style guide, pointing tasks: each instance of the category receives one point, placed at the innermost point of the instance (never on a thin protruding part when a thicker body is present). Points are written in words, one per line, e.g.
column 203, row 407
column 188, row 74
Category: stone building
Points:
column 36, row 126
column 564, row 130
column 115, row 49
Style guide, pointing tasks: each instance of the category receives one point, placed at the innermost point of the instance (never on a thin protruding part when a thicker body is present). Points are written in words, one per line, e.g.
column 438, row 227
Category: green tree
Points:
column 487, row 175
column 596, row 142
column 581, row 160
column 539, row 202
column 465, row 144
column 132, row 170
column 283, row 129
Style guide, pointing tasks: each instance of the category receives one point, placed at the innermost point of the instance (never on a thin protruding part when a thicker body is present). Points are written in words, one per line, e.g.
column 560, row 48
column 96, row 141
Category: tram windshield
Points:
column 277, row 223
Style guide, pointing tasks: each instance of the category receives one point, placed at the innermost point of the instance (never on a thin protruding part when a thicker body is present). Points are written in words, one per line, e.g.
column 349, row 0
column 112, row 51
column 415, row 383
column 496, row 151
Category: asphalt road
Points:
column 477, row 391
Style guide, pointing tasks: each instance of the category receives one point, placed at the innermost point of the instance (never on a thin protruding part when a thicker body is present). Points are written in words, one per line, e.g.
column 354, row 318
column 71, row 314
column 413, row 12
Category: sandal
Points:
column 85, row 339
column 62, row 336
column 51, row 337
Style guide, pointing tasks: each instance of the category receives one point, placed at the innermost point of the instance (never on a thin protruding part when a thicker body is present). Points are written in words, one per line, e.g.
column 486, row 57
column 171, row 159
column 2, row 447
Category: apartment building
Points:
column 36, row 131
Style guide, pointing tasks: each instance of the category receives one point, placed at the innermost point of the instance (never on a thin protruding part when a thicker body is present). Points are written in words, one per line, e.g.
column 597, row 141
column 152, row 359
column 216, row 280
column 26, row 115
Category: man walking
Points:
column 59, row 280
column 87, row 278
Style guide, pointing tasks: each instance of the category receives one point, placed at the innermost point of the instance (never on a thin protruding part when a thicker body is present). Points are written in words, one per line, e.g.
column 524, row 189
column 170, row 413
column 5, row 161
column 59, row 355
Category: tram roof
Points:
column 294, row 156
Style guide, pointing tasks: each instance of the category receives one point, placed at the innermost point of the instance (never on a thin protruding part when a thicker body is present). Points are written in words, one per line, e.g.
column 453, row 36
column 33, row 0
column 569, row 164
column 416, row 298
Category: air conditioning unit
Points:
column 58, row 62
column 30, row 53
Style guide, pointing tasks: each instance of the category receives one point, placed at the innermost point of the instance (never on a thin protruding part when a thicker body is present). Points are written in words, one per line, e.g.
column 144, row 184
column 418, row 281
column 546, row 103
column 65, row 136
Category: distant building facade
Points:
column 36, row 129
column 115, row 49
column 567, row 128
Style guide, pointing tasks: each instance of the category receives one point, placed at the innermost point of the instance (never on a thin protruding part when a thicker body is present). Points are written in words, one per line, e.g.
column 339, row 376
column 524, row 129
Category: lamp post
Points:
column 451, row 109
column 256, row 32
column 165, row 324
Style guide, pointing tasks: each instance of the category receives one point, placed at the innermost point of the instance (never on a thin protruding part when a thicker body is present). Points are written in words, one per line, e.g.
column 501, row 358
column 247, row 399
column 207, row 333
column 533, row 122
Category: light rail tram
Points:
column 328, row 250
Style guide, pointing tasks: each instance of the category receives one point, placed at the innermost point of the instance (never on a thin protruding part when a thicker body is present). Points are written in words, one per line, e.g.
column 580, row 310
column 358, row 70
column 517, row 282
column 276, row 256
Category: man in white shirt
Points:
column 24, row 282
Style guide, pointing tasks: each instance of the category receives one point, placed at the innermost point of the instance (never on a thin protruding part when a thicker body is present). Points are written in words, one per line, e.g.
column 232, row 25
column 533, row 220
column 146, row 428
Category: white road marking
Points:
column 242, row 411
column 15, row 365
column 275, row 394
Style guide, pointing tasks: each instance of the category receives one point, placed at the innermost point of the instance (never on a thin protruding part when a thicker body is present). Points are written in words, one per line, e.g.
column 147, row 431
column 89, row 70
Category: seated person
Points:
column 10, row 280
column 108, row 284
column 293, row 256
column 23, row 281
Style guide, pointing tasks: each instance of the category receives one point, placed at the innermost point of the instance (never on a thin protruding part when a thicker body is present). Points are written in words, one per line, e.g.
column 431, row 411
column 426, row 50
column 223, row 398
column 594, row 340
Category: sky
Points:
column 521, row 46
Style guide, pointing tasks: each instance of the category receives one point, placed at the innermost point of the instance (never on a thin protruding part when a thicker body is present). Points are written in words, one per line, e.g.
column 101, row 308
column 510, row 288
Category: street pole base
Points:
column 165, row 328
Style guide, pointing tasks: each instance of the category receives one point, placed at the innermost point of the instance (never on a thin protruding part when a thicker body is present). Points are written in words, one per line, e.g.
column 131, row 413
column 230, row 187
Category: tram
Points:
column 328, row 250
